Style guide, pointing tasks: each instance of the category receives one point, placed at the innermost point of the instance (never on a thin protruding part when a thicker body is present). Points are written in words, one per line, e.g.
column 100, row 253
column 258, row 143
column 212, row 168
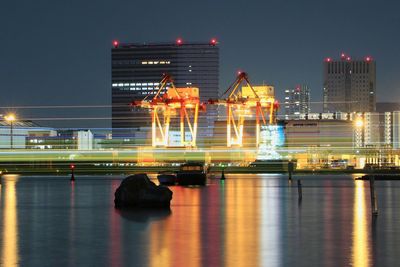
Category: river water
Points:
column 246, row 220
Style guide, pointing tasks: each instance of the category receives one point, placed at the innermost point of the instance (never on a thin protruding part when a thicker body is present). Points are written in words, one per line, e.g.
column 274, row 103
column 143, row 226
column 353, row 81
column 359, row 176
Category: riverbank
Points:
column 90, row 168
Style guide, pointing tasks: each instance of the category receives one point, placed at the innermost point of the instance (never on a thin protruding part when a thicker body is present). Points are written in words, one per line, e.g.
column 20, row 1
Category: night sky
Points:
column 58, row 52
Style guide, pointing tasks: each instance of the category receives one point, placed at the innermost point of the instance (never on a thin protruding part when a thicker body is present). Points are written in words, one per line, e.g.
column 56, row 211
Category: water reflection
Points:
column 247, row 220
column 175, row 241
column 270, row 223
column 72, row 225
column 144, row 215
column 361, row 244
column 242, row 223
column 9, row 244
column 115, row 240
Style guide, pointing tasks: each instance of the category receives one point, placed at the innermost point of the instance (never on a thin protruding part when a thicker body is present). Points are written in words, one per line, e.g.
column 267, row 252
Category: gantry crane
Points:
column 241, row 103
column 169, row 102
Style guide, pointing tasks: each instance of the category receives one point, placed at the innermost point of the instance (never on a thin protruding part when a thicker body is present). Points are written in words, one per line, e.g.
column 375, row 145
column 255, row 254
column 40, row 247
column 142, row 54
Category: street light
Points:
column 10, row 118
column 359, row 122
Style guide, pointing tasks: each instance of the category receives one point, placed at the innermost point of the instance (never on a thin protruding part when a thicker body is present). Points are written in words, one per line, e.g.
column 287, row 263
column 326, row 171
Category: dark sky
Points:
column 58, row 52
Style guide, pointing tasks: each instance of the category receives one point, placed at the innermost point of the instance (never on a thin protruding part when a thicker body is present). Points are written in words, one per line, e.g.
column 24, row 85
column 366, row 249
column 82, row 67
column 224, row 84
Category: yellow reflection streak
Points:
column 242, row 225
column 270, row 243
column 160, row 244
column 360, row 246
column 9, row 255
column 181, row 249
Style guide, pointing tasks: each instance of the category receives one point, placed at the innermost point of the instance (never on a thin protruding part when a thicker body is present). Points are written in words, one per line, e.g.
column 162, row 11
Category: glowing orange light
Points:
column 359, row 123
column 10, row 117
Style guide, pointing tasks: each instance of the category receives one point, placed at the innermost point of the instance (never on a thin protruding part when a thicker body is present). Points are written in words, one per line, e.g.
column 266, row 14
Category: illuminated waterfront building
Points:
column 297, row 101
column 315, row 143
column 24, row 134
column 395, row 129
column 387, row 128
column 349, row 85
column 138, row 68
column 324, row 116
column 371, row 129
column 390, row 129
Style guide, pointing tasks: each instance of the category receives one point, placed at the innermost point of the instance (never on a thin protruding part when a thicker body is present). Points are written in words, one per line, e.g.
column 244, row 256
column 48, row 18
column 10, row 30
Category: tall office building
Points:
column 349, row 85
column 297, row 101
column 138, row 68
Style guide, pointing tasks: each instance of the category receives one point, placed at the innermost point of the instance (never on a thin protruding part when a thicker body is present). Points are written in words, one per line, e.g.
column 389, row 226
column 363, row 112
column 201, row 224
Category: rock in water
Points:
column 137, row 191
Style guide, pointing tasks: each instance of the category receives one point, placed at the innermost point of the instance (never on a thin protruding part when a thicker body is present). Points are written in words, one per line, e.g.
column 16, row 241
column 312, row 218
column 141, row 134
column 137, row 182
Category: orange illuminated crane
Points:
column 241, row 103
column 170, row 102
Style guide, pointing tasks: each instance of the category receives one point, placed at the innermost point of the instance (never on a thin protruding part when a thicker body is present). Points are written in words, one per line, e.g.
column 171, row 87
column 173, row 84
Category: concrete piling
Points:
column 72, row 179
column 374, row 202
column 300, row 190
column 290, row 169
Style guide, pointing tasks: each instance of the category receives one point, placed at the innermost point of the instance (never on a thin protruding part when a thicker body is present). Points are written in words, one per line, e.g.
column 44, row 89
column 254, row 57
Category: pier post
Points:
column 72, row 166
column 374, row 203
column 222, row 175
column 300, row 190
column 290, row 169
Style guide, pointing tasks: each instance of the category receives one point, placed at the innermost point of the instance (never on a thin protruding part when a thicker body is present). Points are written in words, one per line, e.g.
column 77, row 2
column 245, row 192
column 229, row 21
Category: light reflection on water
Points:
column 361, row 243
column 9, row 242
column 247, row 220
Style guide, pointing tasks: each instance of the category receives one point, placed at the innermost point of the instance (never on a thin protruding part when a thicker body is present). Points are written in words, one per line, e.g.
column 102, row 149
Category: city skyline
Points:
column 67, row 59
column 199, row 133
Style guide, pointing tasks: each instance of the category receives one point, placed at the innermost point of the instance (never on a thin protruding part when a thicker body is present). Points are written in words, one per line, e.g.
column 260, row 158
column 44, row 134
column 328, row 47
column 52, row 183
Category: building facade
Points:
column 138, row 68
column 349, row 85
column 24, row 134
column 395, row 127
column 297, row 101
column 372, row 129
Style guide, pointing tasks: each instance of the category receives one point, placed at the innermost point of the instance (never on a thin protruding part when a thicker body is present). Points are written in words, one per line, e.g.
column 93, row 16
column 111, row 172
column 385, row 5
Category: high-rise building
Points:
column 297, row 101
column 138, row 68
column 349, row 85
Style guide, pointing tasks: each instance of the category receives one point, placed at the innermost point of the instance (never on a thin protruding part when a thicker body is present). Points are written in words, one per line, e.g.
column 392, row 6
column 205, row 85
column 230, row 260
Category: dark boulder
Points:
column 137, row 191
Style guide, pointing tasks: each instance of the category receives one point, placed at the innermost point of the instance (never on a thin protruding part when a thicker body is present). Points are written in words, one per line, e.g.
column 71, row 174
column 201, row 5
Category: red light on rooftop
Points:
column 179, row 41
column 213, row 41
column 348, row 58
column 368, row 59
column 72, row 166
column 328, row 59
column 115, row 43
column 343, row 55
